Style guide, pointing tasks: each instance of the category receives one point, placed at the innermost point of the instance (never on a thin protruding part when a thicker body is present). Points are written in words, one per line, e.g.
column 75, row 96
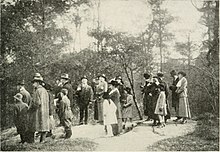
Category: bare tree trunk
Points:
column 134, row 95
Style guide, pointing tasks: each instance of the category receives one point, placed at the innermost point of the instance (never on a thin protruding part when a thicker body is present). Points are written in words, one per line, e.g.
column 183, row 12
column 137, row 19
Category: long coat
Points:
column 40, row 110
column 21, row 117
column 175, row 98
column 183, row 109
column 115, row 97
column 100, row 89
column 66, row 113
column 147, row 98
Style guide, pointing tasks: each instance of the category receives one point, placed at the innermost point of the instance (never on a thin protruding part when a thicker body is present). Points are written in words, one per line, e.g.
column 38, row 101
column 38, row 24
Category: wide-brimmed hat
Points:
column 113, row 82
column 102, row 75
column 147, row 75
column 173, row 72
column 65, row 76
column 21, row 82
column 182, row 73
column 38, row 78
column 160, row 74
column 18, row 97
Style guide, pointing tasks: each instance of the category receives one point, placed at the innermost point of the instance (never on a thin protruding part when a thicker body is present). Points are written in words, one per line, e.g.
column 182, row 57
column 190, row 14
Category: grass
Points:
column 204, row 138
column 77, row 144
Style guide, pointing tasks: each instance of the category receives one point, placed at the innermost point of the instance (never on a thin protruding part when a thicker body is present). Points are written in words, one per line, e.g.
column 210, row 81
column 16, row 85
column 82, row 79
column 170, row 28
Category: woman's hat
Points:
column 146, row 75
column 18, row 97
column 160, row 74
column 113, row 82
column 102, row 75
column 182, row 73
column 84, row 77
column 65, row 76
column 38, row 78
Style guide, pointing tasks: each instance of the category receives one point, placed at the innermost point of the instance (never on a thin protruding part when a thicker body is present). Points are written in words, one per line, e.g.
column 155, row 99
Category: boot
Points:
column 43, row 136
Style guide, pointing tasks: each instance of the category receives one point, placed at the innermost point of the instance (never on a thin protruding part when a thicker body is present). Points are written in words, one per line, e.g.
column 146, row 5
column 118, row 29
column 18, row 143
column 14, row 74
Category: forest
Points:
column 32, row 41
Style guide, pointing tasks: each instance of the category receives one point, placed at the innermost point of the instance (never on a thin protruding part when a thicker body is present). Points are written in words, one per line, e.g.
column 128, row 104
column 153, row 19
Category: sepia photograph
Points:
column 109, row 75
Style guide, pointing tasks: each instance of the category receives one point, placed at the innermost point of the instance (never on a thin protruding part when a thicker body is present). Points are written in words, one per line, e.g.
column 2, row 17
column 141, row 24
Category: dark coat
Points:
column 66, row 113
column 21, row 117
column 85, row 95
column 51, row 103
column 147, row 98
column 175, row 96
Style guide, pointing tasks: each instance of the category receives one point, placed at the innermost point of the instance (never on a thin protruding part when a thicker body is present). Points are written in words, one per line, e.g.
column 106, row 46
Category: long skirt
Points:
column 183, row 109
column 161, row 108
column 100, row 109
column 96, row 117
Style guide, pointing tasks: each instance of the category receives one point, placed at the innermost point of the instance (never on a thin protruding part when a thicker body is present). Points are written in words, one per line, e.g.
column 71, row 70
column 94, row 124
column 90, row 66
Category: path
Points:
column 138, row 139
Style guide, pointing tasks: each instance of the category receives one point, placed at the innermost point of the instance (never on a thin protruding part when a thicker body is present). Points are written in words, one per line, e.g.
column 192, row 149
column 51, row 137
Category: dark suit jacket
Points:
column 85, row 95
column 173, row 88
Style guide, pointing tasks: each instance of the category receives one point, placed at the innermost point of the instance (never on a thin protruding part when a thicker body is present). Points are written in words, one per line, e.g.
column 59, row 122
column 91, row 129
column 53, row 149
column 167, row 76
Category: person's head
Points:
column 105, row 95
column 128, row 90
column 102, row 78
column 173, row 73
column 63, row 92
column 38, row 80
column 20, row 84
column 113, row 84
column 64, row 78
column 181, row 74
column 84, row 80
column 18, row 97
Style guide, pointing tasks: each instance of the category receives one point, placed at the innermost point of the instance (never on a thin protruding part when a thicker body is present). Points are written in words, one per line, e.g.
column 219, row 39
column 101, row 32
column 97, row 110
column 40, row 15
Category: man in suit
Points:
column 85, row 97
column 175, row 98
column 26, row 95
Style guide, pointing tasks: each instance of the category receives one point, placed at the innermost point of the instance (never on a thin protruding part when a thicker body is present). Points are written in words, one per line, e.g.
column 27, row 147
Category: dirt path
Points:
column 136, row 140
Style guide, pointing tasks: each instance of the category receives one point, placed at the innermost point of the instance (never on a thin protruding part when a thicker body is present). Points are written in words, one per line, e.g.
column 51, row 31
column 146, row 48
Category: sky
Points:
column 132, row 16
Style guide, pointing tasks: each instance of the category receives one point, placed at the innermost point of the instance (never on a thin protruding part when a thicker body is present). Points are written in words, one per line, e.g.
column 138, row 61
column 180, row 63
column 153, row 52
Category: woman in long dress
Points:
column 109, row 114
column 183, row 108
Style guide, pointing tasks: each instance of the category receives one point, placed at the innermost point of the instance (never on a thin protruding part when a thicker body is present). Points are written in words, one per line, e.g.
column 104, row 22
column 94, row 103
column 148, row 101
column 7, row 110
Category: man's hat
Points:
column 18, row 97
column 65, row 76
column 21, row 82
column 37, row 77
column 160, row 74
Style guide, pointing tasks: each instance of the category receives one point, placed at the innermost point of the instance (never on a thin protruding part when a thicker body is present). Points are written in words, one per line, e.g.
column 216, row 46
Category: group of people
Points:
column 35, row 113
column 155, row 101
column 112, row 102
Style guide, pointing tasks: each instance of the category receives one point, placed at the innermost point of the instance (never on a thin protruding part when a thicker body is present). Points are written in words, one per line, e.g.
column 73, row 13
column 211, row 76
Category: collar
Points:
column 175, row 77
column 22, row 89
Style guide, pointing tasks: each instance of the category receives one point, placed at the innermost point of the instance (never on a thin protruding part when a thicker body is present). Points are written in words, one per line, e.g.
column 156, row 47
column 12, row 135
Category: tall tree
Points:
column 161, row 19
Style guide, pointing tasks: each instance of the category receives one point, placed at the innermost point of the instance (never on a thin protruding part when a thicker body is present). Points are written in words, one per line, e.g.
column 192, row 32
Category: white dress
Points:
column 109, row 112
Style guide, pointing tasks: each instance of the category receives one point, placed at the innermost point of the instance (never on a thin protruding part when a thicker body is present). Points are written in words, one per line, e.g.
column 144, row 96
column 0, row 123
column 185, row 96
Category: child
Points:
column 109, row 114
column 127, row 109
column 20, row 116
column 66, row 113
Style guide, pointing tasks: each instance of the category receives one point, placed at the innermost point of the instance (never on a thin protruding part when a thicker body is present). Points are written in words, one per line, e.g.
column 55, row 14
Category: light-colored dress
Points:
column 183, row 109
column 109, row 112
